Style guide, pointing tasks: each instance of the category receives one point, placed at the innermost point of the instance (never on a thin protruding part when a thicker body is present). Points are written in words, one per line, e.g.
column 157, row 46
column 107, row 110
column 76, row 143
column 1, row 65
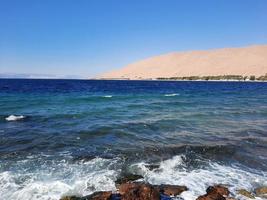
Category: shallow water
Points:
column 77, row 137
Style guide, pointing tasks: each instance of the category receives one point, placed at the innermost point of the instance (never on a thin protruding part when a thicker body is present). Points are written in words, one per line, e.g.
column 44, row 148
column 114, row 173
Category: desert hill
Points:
column 245, row 61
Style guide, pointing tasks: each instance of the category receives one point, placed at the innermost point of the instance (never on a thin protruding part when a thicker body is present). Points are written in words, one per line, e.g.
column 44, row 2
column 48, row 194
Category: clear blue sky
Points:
column 88, row 37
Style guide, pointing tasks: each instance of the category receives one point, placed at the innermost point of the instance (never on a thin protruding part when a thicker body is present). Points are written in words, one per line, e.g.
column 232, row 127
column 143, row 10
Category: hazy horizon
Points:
column 86, row 38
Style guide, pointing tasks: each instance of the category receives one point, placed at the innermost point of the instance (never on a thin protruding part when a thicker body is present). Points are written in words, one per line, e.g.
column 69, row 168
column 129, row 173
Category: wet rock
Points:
column 100, row 196
column 152, row 166
column 94, row 196
column 172, row 190
column 138, row 191
column 262, row 191
column 128, row 178
column 135, row 191
column 211, row 196
column 70, row 198
column 245, row 193
column 222, row 190
column 145, row 191
column 217, row 192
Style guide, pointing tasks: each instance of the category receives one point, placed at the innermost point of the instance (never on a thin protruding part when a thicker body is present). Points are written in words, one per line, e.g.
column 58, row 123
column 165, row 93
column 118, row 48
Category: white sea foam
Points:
column 53, row 182
column 171, row 95
column 14, row 117
column 173, row 171
column 107, row 96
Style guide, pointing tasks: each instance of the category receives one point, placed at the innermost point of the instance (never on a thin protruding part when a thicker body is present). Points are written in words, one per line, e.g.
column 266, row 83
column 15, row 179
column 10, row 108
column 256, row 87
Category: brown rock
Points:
column 262, row 191
column 70, row 198
column 211, row 196
column 99, row 196
column 245, row 193
column 134, row 191
column 172, row 189
column 94, row 196
column 219, row 189
column 138, row 191
column 145, row 191
column 217, row 192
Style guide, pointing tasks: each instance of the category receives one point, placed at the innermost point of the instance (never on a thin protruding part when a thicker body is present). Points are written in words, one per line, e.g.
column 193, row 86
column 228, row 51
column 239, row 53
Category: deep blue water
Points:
column 78, row 136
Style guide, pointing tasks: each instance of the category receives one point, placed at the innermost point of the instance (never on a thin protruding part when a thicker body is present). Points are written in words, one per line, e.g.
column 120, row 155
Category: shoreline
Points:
column 166, row 80
column 132, row 188
column 221, row 78
column 148, row 80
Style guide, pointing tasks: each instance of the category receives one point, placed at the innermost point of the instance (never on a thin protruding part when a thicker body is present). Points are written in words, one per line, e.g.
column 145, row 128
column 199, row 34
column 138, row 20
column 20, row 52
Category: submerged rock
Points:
column 128, row 178
column 245, row 193
column 217, row 192
column 152, row 166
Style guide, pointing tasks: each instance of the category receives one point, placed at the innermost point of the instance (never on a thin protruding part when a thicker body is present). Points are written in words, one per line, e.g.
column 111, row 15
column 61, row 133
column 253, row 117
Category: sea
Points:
column 75, row 137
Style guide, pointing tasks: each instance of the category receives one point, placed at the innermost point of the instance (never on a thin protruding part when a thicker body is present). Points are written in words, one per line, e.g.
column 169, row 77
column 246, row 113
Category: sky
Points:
column 85, row 38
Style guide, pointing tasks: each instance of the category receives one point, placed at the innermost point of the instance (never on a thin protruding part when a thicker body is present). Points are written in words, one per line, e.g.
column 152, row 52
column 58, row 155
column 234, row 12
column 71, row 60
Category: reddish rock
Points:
column 134, row 191
column 211, row 196
column 100, row 196
column 219, row 189
column 138, row 191
column 217, row 192
column 172, row 189
column 94, row 196
column 262, row 191
column 70, row 198
column 144, row 191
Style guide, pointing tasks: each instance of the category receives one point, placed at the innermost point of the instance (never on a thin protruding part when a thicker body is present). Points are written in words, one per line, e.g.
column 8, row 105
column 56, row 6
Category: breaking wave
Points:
column 171, row 95
column 174, row 171
column 83, row 178
column 14, row 117
column 54, row 181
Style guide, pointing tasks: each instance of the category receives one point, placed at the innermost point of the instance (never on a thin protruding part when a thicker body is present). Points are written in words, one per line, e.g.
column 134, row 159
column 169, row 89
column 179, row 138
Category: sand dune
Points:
column 244, row 61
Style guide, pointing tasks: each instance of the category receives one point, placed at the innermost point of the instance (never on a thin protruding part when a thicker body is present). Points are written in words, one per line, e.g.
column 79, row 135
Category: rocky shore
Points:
column 130, row 189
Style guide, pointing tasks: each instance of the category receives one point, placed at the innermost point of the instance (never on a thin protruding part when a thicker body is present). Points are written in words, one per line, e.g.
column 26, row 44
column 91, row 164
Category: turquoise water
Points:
column 77, row 137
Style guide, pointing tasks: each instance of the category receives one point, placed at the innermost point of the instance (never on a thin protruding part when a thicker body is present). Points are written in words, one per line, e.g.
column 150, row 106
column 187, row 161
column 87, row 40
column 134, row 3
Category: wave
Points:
column 54, row 180
column 60, row 178
column 14, row 117
column 174, row 171
column 107, row 96
column 171, row 95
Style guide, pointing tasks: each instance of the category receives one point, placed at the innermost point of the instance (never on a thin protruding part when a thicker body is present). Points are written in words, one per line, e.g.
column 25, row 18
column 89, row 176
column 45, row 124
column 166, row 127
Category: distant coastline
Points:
column 250, row 78
column 157, row 79
column 218, row 78
column 246, row 63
